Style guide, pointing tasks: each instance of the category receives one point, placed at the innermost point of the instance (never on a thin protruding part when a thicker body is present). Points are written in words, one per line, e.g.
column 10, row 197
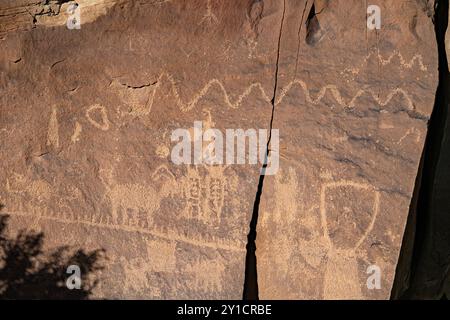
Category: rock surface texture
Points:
column 86, row 117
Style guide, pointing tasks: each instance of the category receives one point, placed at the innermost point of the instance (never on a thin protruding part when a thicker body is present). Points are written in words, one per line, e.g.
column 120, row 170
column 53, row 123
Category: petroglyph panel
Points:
column 86, row 140
column 349, row 154
column 87, row 154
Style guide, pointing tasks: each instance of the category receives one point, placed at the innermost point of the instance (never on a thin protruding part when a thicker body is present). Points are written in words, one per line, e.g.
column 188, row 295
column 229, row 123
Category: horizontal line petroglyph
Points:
column 168, row 235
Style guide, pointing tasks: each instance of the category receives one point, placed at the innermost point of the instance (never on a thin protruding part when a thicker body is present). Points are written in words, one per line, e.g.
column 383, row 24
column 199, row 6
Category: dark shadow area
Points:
column 423, row 271
column 313, row 29
column 251, row 270
column 27, row 272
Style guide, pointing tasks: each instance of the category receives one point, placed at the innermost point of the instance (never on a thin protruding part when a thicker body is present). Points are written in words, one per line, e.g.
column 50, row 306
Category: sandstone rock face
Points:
column 86, row 118
column 352, row 110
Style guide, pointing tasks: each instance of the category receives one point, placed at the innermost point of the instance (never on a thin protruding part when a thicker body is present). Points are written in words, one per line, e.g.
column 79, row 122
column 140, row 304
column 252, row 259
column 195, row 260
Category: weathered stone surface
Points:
column 86, row 118
column 352, row 110
column 86, row 122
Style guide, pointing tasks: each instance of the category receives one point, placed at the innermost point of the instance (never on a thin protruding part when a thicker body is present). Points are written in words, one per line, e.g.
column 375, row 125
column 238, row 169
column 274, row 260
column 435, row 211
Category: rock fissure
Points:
column 251, row 272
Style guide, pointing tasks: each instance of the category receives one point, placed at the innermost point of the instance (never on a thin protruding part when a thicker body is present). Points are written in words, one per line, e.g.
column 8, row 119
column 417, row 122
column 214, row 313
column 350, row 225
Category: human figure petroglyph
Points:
column 205, row 194
column 341, row 279
column 136, row 197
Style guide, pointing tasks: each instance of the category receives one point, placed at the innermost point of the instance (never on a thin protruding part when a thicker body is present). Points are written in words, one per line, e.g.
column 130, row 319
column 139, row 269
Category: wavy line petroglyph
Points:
column 215, row 83
column 340, row 100
column 416, row 60
column 341, row 279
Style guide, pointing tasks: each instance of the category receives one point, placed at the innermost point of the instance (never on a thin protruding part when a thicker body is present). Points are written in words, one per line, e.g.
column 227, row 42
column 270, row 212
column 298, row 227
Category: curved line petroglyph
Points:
column 416, row 60
column 411, row 131
column 341, row 279
column 335, row 92
column 355, row 185
column 102, row 126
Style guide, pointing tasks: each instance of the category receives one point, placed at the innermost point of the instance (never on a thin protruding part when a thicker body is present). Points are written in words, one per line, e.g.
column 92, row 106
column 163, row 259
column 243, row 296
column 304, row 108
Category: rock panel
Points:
column 352, row 108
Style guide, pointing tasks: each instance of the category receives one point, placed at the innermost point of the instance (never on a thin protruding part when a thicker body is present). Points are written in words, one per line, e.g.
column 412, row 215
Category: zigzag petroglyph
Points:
column 340, row 100
column 235, row 103
column 416, row 60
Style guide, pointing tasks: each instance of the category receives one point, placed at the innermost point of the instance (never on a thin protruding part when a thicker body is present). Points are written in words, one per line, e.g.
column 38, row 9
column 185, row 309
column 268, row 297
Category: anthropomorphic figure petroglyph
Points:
column 341, row 280
column 205, row 194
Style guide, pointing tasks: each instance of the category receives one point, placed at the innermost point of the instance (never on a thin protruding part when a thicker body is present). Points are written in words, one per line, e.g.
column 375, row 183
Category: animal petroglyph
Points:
column 416, row 60
column 207, row 275
column 135, row 197
column 38, row 190
column 341, row 274
column 53, row 130
column 135, row 273
column 237, row 101
column 160, row 258
column 104, row 125
column 161, row 255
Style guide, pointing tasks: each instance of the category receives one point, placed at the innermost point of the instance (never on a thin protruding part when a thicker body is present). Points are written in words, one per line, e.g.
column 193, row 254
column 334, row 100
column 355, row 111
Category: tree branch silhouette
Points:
column 27, row 272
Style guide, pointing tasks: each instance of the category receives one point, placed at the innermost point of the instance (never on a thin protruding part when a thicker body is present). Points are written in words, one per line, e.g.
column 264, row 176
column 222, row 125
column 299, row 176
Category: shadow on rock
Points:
column 27, row 272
